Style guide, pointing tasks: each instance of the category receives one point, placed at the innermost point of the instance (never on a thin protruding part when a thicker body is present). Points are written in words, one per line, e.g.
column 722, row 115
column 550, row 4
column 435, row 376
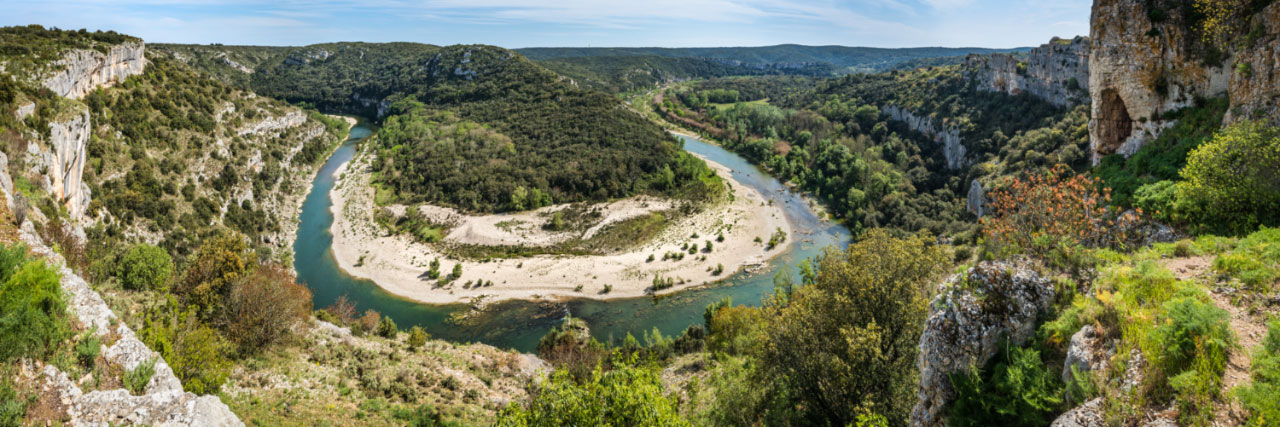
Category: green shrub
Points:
column 1262, row 397
column 32, row 309
column 13, row 405
column 625, row 396
column 1230, row 182
column 1018, row 390
column 145, row 267
column 417, row 337
column 1188, row 346
column 197, row 353
column 424, row 415
column 88, row 348
column 136, row 379
column 1253, row 260
column 387, row 328
column 1156, row 199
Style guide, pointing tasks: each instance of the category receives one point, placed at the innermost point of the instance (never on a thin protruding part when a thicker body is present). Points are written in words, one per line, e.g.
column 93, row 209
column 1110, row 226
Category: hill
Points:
column 534, row 130
column 617, row 74
column 853, row 59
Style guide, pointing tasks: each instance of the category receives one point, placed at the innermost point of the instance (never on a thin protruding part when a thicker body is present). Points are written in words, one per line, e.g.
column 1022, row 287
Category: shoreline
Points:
column 396, row 264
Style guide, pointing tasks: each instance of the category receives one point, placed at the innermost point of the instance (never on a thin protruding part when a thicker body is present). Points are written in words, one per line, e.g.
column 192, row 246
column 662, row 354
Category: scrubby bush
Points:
column 145, row 267
column 1262, row 397
column 1188, row 347
column 197, row 353
column 13, row 405
column 136, row 379
column 218, row 263
column 417, row 337
column 387, row 328
column 1018, row 390
column 32, row 309
column 1254, row 260
column 625, row 395
column 87, row 349
column 1231, row 185
column 425, row 415
column 264, row 307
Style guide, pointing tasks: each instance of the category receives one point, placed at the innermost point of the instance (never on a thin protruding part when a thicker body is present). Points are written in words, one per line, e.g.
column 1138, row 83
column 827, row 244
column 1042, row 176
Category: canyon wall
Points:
column 952, row 145
column 1057, row 72
column 64, row 161
column 84, row 70
column 1144, row 64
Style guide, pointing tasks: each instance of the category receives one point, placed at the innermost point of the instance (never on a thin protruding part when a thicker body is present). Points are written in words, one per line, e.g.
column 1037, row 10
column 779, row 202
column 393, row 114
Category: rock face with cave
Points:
column 1146, row 63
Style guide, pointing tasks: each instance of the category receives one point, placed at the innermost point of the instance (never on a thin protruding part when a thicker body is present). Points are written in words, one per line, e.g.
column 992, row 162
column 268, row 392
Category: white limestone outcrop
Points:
column 82, row 70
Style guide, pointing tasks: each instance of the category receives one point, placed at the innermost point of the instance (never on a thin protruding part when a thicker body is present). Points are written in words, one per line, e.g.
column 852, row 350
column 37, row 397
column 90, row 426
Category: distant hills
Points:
column 850, row 59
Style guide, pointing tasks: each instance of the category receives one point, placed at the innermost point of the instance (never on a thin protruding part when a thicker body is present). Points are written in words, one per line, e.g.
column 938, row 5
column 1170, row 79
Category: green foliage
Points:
column 13, row 405
column 417, row 337
column 623, row 396
column 1255, row 260
column 1230, row 182
column 619, row 73
column 145, row 267
column 88, row 348
column 32, row 308
column 136, row 379
column 263, row 308
column 863, row 313
column 220, row 261
column 197, row 353
column 387, row 328
column 1161, row 159
column 1190, row 344
column 1019, row 390
column 1262, row 397
column 856, row 59
column 31, row 49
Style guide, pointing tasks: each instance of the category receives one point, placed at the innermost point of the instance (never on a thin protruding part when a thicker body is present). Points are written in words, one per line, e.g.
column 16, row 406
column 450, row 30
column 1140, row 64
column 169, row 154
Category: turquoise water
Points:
column 519, row 324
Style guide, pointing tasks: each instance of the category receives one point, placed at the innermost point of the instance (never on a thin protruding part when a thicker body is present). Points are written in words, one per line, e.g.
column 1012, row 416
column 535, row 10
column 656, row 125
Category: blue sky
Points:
column 524, row 23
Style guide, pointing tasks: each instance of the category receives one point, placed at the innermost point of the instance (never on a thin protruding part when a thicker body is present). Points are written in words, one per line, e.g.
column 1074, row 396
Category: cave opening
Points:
column 1115, row 125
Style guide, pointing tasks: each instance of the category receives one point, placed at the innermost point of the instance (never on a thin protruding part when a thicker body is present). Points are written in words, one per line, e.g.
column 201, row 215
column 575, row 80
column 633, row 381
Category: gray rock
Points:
column 976, row 201
column 967, row 321
column 1087, row 415
column 1083, row 353
column 84, row 70
column 952, row 145
column 69, row 141
column 1046, row 72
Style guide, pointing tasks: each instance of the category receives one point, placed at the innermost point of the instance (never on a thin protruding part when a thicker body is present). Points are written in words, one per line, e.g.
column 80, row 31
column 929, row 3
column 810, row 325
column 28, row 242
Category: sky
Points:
column 598, row 23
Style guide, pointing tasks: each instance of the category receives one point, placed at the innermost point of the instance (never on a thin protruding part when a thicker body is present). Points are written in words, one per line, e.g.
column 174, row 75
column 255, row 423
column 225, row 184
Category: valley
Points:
column 1079, row 233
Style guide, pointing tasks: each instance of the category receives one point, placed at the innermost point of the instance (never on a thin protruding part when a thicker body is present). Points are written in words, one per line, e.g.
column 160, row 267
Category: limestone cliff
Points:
column 1142, row 68
column 163, row 401
column 952, row 145
column 64, row 161
column 967, row 321
column 1057, row 72
column 81, row 71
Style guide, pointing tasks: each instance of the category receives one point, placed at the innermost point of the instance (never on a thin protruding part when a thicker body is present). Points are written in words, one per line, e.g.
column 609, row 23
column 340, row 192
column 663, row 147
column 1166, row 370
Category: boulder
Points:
column 973, row 314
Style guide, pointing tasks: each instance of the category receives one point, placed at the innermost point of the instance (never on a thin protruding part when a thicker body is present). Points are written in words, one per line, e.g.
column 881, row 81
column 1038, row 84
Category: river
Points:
column 519, row 324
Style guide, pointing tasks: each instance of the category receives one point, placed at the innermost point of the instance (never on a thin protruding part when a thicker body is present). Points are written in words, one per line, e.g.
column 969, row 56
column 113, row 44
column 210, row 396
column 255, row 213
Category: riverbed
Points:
column 519, row 324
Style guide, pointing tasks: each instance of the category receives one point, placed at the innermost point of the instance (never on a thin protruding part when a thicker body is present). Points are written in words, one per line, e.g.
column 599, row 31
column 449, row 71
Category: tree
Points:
column 264, row 307
column 197, row 353
column 145, row 267
column 624, row 396
column 863, row 314
column 417, row 337
column 1231, row 182
column 387, row 328
column 218, row 263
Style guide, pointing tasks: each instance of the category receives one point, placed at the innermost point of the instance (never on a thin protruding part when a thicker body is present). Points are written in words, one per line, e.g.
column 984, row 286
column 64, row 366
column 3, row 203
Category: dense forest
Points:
column 540, row 132
column 830, row 137
column 848, row 59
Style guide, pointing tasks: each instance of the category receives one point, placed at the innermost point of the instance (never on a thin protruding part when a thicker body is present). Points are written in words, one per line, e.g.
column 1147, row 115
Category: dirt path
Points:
column 1249, row 333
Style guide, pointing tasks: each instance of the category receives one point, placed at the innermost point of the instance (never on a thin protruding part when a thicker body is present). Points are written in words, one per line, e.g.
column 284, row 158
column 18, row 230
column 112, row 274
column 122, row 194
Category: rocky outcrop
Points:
column 1087, row 415
column 1140, row 69
column 952, row 145
column 63, row 161
column 81, row 70
column 967, row 322
column 163, row 403
column 291, row 119
column 1256, row 77
column 1057, row 72
column 976, row 201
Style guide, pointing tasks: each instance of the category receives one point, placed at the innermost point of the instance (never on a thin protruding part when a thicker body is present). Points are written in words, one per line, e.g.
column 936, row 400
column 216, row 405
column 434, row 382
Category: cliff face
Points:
column 84, row 70
column 1140, row 69
column 1253, row 85
column 952, row 145
column 65, row 160
column 1057, row 72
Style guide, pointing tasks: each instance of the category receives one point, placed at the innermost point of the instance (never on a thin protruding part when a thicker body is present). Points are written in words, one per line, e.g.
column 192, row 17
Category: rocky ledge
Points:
column 84, row 70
